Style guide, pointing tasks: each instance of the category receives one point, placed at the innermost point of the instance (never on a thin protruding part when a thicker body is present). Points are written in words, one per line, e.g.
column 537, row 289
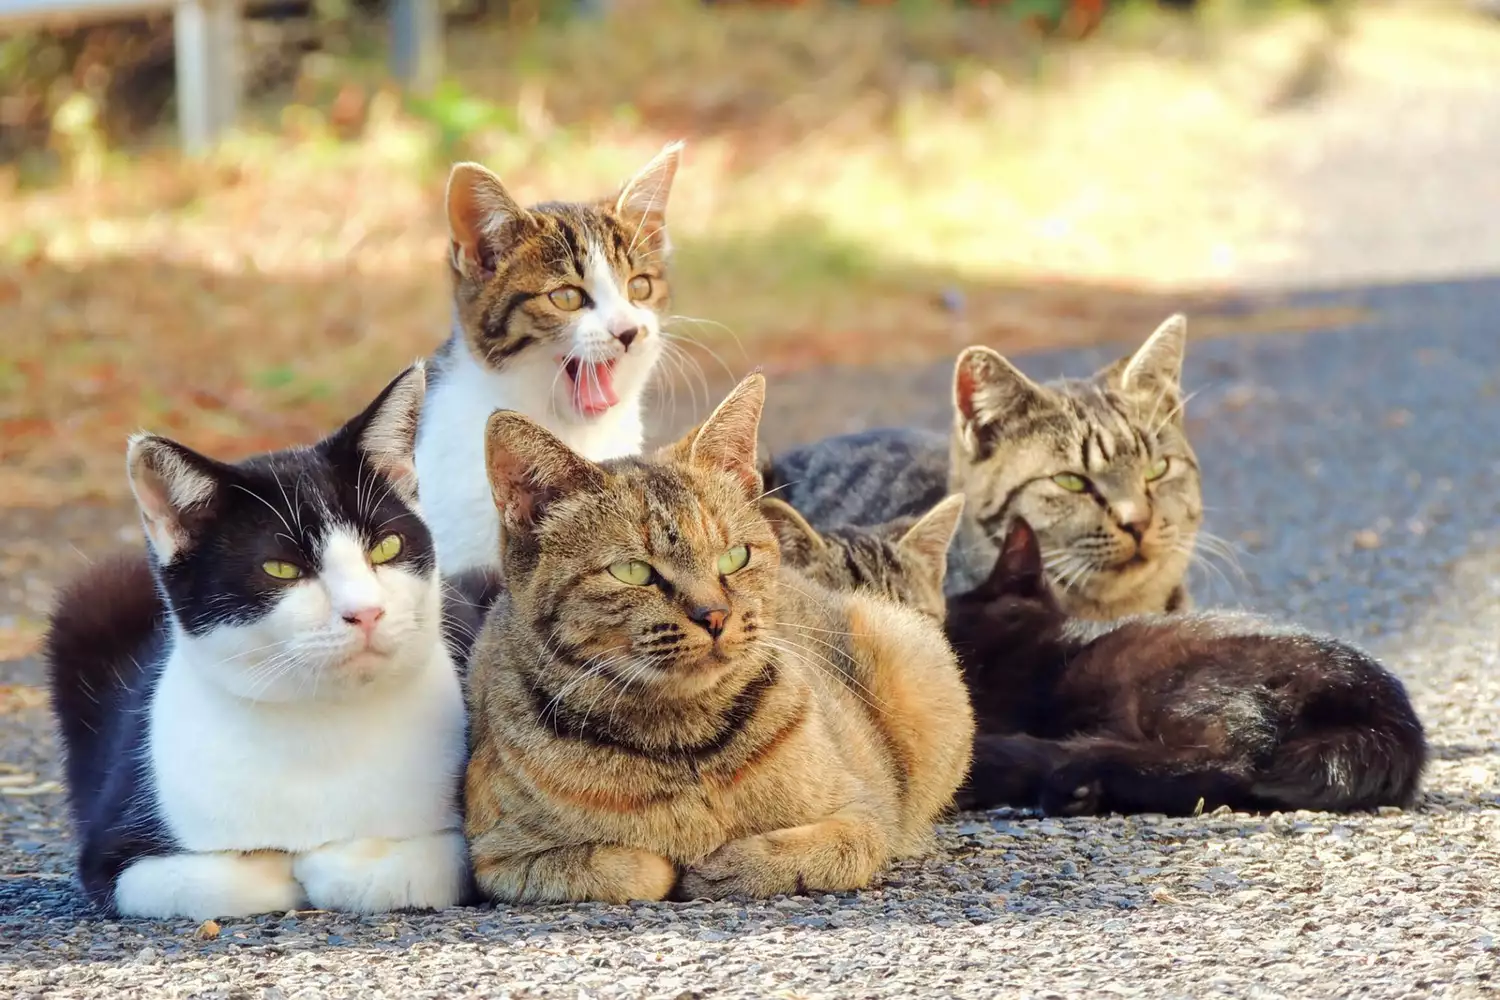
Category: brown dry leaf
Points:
column 21, row 697
column 207, row 931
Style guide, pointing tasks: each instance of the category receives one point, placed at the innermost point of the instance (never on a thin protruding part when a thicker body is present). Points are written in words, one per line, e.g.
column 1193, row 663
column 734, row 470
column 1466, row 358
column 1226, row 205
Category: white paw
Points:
column 200, row 886
column 373, row 875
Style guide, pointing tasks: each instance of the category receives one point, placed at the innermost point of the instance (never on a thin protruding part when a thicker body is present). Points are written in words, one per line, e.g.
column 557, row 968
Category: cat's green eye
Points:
column 1158, row 469
column 640, row 287
column 385, row 550
column 278, row 570
column 633, row 572
column 1070, row 482
column 567, row 298
column 734, row 560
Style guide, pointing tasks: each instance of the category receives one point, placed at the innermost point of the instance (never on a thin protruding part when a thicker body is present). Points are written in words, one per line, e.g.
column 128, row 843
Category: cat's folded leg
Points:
column 226, row 884
column 1106, row 775
column 512, row 866
column 843, row 851
column 1009, row 771
column 372, row 875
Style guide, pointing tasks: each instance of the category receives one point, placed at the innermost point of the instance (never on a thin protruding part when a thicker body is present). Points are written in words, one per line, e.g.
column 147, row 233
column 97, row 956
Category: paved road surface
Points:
column 1358, row 472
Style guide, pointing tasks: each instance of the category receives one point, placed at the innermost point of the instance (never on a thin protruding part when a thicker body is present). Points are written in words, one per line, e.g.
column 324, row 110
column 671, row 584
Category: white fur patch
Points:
column 165, row 486
column 288, row 734
column 456, row 500
column 371, row 876
column 201, row 886
column 389, row 439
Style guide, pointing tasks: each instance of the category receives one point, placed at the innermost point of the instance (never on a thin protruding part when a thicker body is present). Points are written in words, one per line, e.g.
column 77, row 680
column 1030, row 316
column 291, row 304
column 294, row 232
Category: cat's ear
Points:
column 799, row 541
column 529, row 469
column 1018, row 570
column 726, row 441
column 927, row 541
column 480, row 213
column 1155, row 369
column 987, row 391
column 175, row 489
column 642, row 201
column 386, row 432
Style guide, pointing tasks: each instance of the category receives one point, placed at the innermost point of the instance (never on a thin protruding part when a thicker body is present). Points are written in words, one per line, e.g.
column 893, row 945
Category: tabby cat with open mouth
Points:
column 557, row 315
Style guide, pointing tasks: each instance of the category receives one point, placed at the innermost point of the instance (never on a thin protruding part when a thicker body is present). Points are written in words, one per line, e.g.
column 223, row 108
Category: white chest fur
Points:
column 232, row 774
column 454, row 484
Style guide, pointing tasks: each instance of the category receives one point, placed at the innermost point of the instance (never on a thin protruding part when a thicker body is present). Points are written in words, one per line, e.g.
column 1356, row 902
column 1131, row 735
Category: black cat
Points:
column 1170, row 713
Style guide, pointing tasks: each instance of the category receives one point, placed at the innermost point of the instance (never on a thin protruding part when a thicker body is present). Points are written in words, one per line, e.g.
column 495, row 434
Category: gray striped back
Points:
column 1100, row 467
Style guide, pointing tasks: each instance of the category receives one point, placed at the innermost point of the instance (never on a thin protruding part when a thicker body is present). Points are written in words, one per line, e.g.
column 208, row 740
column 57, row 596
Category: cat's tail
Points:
column 96, row 642
column 1357, row 749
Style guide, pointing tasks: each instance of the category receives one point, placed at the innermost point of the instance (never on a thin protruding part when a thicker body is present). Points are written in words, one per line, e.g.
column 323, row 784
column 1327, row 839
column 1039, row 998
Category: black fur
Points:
column 109, row 636
column 467, row 598
column 1170, row 713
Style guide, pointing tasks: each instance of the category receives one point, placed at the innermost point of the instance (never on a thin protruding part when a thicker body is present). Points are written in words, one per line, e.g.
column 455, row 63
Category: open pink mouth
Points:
column 592, row 384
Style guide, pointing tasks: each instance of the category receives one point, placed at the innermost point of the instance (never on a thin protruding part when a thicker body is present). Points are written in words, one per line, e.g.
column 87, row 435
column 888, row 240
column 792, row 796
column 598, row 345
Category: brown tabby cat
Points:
column 659, row 707
column 904, row 559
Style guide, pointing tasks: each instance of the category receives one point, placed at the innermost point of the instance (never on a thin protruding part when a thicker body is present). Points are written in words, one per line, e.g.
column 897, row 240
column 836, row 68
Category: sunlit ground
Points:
column 858, row 186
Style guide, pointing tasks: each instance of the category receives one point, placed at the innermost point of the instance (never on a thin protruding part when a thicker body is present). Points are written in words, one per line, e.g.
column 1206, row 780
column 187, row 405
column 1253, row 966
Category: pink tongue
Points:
column 594, row 389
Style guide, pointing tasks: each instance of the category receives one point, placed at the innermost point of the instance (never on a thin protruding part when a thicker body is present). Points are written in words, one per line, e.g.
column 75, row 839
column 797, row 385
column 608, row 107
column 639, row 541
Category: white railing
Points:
column 207, row 40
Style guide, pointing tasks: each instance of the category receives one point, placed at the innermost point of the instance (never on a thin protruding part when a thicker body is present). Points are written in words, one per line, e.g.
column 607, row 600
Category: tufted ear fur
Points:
column 175, row 488
column 386, row 432
column 987, row 389
column 1155, row 369
column 1018, row 569
column 726, row 441
column 480, row 211
column 800, row 542
column 926, row 542
column 642, row 201
column 529, row 469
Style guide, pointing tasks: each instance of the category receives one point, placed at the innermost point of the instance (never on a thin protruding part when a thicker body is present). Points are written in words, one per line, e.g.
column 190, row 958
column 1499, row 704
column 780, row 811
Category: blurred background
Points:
column 865, row 184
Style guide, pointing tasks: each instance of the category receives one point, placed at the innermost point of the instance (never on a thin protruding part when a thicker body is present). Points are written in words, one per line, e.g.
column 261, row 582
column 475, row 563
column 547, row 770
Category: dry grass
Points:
column 851, row 177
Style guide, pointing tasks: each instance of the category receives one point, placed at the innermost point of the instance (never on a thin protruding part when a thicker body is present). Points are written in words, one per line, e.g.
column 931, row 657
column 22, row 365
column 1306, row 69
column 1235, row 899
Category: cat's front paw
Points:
column 1073, row 790
column 739, row 868
column 627, row 873
column 222, row 884
column 767, row 864
column 372, row 875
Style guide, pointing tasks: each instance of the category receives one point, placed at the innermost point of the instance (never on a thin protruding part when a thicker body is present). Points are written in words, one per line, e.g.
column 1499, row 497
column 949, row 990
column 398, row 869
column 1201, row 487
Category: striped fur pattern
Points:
column 904, row 559
column 698, row 725
column 1101, row 468
column 558, row 312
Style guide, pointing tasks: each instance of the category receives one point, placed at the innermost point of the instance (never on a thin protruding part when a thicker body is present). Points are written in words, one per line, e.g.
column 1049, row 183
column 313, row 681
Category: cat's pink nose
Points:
column 365, row 619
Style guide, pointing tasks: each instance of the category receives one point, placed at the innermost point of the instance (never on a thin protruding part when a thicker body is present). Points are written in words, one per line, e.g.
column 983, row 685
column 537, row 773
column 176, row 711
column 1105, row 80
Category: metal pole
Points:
column 417, row 43
column 206, row 38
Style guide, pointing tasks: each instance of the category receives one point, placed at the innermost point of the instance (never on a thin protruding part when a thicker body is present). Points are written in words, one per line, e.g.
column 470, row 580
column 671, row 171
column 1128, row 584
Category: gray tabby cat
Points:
column 1100, row 467
column 905, row 559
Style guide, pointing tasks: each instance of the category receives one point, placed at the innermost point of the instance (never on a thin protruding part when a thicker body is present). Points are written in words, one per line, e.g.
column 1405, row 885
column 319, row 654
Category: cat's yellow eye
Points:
column 1158, row 469
column 640, row 287
column 633, row 572
column 385, row 550
column 734, row 560
column 278, row 570
column 567, row 298
column 1070, row 482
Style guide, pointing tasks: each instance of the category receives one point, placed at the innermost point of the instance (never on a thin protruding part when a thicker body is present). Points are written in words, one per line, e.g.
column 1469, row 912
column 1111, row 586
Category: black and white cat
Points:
column 263, row 714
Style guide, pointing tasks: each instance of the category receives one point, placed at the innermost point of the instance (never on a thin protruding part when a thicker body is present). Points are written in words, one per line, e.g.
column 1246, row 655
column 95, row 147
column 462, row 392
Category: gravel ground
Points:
column 1358, row 473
